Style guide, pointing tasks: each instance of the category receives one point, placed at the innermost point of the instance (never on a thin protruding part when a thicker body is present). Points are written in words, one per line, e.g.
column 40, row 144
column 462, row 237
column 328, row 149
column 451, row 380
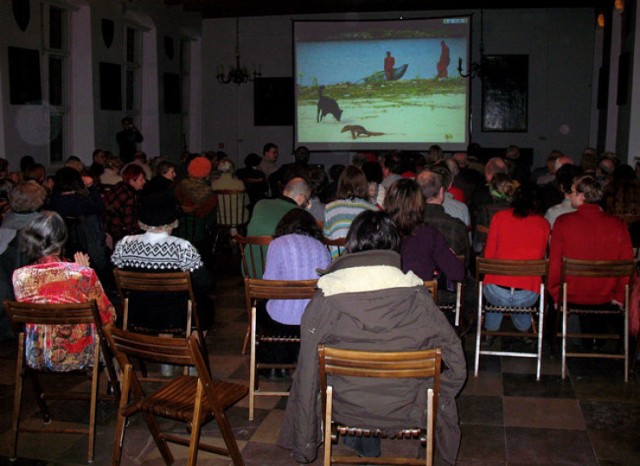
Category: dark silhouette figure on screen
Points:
column 327, row 105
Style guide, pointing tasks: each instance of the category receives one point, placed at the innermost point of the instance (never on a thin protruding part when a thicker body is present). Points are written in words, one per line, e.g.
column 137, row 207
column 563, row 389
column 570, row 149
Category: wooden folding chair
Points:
column 338, row 245
column 505, row 267
column 194, row 400
column 595, row 269
column 19, row 315
column 257, row 289
column 171, row 282
column 253, row 251
column 398, row 365
column 232, row 212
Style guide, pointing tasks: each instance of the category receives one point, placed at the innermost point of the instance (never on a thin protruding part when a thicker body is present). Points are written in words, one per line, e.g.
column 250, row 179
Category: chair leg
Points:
column 94, row 399
column 229, row 438
column 252, row 369
column 327, row 426
column 626, row 338
column 540, row 335
column 478, row 331
column 430, row 426
column 564, row 341
column 17, row 399
column 196, row 424
column 121, row 418
column 111, row 371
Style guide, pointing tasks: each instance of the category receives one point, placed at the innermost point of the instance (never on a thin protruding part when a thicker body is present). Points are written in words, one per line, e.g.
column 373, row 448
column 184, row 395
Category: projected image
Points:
column 392, row 84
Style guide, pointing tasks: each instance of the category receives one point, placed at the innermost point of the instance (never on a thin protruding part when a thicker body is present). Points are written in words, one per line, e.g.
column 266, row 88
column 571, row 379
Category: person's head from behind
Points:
column 565, row 176
column 36, row 172
column 159, row 212
column 44, row 236
column 404, row 203
column 74, row 162
column 113, row 162
column 25, row 162
column 502, row 187
column 586, row 189
column 298, row 222
column 442, row 169
column 493, row 166
column 372, row 172
column 335, row 171
column 27, row 197
column 526, row 201
column 226, row 167
column 317, row 178
column 352, row 184
column 133, row 175
column 372, row 230
column 67, row 180
column 298, row 190
column 302, row 155
column 252, row 160
column 432, row 186
column 140, row 156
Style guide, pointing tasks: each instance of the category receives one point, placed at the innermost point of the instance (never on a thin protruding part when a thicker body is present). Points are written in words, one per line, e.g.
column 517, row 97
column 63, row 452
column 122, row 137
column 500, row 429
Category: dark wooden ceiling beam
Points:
column 240, row 8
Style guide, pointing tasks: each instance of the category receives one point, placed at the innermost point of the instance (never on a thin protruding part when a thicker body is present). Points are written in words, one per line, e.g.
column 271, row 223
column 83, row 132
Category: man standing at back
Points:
column 268, row 212
column 128, row 139
column 269, row 159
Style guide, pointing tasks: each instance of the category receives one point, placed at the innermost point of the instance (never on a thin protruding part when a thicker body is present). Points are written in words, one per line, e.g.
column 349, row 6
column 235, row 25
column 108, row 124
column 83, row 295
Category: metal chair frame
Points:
column 511, row 268
column 594, row 269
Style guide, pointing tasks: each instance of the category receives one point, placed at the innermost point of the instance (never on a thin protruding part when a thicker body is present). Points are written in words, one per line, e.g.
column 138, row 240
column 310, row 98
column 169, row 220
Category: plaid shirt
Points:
column 121, row 212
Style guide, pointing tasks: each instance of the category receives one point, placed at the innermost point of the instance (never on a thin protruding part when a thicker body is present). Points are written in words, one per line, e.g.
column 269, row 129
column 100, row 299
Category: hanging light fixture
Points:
column 237, row 74
column 474, row 69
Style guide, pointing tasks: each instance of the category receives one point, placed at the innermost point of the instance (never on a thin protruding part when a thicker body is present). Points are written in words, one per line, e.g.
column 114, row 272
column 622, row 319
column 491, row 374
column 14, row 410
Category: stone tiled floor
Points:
column 590, row 418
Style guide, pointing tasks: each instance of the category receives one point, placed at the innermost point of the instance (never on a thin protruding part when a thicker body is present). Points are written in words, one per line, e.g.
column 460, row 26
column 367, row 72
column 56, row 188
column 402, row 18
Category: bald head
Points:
column 298, row 190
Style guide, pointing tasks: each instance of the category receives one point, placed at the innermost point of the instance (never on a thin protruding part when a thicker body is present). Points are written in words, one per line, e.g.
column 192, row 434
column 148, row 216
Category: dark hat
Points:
column 159, row 209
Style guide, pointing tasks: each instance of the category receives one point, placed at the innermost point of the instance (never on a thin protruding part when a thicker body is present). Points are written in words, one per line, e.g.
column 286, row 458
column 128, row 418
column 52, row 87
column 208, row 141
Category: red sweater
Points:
column 523, row 238
column 588, row 233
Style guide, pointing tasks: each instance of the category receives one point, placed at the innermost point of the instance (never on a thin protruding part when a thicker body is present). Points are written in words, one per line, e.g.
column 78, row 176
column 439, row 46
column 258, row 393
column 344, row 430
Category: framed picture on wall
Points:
column 505, row 88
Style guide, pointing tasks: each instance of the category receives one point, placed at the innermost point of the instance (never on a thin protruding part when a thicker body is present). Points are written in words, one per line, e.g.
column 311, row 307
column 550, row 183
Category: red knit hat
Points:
column 200, row 167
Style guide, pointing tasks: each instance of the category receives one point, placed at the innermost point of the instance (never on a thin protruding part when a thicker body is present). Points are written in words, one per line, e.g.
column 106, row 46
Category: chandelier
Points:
column 474, row 69
column 237, row 74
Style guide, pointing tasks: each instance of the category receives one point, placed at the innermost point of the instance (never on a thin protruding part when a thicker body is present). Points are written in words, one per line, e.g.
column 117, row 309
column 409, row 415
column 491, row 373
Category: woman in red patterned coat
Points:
column 51, row 279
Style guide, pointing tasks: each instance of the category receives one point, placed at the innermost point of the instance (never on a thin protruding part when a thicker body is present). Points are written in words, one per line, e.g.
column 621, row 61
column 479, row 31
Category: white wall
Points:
column 23, row 127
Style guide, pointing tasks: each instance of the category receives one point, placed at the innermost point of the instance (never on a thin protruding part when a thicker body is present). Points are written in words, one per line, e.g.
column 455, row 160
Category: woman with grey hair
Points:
column 52, row 279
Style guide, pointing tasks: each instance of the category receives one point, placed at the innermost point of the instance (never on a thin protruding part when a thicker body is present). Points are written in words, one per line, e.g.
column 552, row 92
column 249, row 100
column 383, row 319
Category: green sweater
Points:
column 267, row 213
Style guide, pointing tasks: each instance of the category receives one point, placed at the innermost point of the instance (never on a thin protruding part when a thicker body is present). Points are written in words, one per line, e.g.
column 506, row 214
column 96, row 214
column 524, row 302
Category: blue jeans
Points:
column 499, row 296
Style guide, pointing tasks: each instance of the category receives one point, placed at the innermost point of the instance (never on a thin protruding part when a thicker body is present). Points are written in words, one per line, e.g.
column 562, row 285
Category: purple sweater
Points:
column 425, row 250
column 293, row 257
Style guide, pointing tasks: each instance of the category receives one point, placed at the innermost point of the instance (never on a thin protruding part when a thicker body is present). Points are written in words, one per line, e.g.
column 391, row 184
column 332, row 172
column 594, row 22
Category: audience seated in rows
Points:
column 366, row 302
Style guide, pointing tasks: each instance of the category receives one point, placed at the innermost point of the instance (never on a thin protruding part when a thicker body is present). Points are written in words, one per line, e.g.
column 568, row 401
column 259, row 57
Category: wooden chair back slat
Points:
column 231, row 207
column 255, row 247
column 525, row 268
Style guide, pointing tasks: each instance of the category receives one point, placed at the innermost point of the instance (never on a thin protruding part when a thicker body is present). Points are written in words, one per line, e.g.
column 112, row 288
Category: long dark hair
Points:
column 372, row 230
column 404, row 203
column 526, row 201
column 298, row 222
